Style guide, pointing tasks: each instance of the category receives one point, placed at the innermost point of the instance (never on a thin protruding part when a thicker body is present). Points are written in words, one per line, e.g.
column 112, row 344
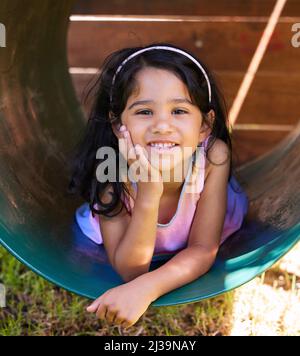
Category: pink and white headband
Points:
column 167, row 48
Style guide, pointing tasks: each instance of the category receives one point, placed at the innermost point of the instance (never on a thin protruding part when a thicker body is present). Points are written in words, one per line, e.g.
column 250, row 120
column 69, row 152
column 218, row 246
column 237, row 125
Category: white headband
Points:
column 168, row 49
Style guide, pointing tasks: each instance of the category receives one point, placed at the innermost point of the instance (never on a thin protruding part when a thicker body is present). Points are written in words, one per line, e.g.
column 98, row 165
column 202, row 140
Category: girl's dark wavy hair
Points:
column 98, row 132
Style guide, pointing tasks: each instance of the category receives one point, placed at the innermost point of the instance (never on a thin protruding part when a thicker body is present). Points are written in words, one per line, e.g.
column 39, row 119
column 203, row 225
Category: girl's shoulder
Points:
column 218, row 154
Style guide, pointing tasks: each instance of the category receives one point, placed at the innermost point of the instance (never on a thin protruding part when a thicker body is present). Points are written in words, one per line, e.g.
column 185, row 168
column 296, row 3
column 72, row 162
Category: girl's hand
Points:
column 136, row 156
column 122, row 305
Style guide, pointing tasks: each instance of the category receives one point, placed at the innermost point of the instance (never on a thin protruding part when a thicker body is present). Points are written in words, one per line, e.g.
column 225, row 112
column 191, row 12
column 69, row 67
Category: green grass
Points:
column 36, row 307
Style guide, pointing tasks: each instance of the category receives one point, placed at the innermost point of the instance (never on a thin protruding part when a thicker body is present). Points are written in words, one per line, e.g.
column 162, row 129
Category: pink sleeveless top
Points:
column 173, row 236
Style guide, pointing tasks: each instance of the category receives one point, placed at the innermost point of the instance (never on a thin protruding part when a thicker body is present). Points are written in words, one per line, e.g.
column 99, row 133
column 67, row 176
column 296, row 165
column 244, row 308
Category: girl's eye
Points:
column 182, row 111
column 143, row 112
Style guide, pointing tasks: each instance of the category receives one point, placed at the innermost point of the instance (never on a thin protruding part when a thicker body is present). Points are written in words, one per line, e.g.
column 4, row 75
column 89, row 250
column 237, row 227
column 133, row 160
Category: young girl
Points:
column 152, row 102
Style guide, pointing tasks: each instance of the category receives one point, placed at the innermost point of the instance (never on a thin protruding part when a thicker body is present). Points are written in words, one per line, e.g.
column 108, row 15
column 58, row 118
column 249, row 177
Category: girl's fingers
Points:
column 101, row 312
column 147, row 165
column 143, row 161
column 140, row 151
column 122, row 321
column 142, row 164
column 126, row 324
column 122, row 146
column 126, row 147
column 111, row 315
column 94, row 306
column 131, row 156
column 118, row 320
column 134, row 154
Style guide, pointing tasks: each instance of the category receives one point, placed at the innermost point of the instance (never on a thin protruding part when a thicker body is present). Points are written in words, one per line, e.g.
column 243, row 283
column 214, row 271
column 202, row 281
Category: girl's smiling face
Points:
column 161, row 109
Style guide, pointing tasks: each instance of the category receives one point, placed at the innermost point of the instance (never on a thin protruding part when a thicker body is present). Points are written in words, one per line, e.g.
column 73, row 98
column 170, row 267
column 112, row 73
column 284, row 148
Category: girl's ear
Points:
column 207, row 125
column 116, row 127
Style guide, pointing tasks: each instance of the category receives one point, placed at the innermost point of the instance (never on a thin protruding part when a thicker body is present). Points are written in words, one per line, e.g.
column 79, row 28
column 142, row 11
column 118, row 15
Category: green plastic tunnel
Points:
column 40, row 120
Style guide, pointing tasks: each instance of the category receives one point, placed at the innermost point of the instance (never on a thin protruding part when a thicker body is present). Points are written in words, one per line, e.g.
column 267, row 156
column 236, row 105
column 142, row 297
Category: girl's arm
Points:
column 135, row 251
column 192, row 262
column 130, row 244
column 131, row 247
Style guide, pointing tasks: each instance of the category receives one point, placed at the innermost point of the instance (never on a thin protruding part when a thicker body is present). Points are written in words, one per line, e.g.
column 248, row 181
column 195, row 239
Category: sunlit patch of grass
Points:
column 212, row 316
column 268, row 305
column 208, row 317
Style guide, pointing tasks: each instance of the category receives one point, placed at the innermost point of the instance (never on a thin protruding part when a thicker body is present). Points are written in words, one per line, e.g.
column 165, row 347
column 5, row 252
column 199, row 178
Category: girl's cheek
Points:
column 124, row 118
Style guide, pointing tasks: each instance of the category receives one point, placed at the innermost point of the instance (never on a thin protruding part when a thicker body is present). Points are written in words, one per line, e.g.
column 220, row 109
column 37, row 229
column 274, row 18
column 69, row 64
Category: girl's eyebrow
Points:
column 141, row 102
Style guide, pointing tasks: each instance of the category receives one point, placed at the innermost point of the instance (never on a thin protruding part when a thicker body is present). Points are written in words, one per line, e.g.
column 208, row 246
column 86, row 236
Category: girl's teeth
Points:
column 163, row 145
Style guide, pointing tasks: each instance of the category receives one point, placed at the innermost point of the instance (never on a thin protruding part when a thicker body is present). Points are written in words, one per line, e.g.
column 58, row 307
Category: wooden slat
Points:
column 183, row 7
column 224, row 46
column 248, row 145
column 273, row 98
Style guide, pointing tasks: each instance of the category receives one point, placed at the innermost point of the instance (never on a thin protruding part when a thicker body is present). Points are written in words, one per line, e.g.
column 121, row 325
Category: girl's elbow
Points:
column 130, row 276
column 127, row 279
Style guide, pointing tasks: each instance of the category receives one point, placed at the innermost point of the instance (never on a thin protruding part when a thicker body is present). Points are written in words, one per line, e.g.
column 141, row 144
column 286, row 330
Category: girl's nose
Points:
column 162, row 123
column 162, row 127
